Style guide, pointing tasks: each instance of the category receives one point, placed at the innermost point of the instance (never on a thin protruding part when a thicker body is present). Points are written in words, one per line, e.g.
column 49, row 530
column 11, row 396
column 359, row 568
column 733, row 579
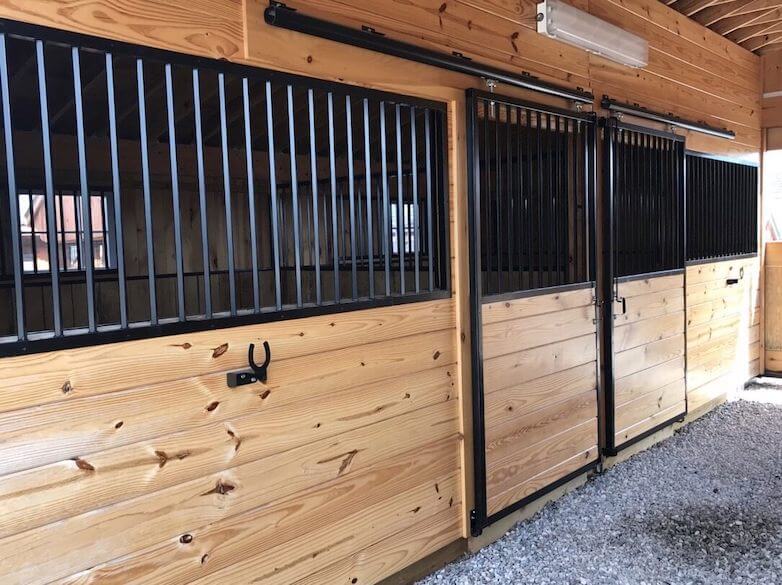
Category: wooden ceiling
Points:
column 756, row 25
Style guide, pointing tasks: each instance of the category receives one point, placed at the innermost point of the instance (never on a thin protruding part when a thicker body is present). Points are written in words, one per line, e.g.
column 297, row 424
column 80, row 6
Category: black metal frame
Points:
column 609, row 281
column 724, row 191
column 435, row 188
column 479, row 518
column 640, row 112
column 278, row 14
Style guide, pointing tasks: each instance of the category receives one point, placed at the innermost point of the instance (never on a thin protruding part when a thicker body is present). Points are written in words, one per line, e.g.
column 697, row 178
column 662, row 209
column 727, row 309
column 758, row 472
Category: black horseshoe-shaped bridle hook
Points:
column 258, row 373
column 261, row 372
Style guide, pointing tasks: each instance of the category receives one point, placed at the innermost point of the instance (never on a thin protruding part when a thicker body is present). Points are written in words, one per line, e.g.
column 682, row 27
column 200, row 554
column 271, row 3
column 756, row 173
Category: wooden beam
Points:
column 765, row 40
column 757, row 28
column 714, row 14
column 690, row 7
column 735, row 23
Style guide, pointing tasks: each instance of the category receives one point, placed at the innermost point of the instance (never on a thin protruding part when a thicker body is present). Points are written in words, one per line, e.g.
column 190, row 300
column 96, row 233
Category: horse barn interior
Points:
column 333, row 291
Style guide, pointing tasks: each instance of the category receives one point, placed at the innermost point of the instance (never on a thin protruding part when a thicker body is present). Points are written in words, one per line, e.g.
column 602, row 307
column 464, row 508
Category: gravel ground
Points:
column 703, row 507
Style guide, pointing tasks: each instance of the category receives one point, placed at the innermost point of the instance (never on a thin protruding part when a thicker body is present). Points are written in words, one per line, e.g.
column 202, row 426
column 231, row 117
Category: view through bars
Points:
column 648, row 200
column 722, row 208
column 170, row 193
column 534, row 179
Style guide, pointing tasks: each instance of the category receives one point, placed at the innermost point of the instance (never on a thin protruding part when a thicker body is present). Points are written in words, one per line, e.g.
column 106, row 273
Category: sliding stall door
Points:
column 532, row 295
column 643, row 283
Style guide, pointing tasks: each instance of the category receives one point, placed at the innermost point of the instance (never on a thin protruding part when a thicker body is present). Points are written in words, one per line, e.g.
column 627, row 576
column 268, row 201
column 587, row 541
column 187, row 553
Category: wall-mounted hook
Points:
column 258, row 373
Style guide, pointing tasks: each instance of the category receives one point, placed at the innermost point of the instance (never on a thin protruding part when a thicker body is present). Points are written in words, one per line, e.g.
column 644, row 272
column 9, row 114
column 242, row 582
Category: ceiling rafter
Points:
column 732, row 24
column 714, row 14
column 761, row 41
column 758, row 27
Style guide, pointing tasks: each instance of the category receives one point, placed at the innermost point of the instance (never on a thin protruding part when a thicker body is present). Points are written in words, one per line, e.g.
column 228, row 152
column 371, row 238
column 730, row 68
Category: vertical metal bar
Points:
column 314, row 177
column 51, row 221
column 60, row 203
column 529, row 221
column 333, row 177
column 86, row 199
column 180, row 279
column 248, row 150
column 294, row 195
column 414, row 170
column 273, row 188
column 202, row 195
column 539, row 199
column 429, row 226
column 386, row 204
column 510, row 198
column 352, row 197
column 229, row 235
column 119, row 237
column 498, row 213
column 142, row 113
column 368, row 189
column 487, row 215
column 400, row 226
column 13, row 198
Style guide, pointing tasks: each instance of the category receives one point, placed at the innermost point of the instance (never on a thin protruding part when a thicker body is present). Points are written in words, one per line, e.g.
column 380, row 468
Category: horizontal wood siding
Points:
column 134, row 463
column 723, row 328
column 540, row 397
column 773, row 307
column 649, row 355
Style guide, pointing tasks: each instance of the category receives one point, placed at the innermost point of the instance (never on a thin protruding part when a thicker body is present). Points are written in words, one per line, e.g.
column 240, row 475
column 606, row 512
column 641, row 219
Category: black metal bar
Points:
column 180, row 266
column 498, row 212
column 351, row 196
column 60, row 201
column 429, row 225
column 284, row 17
column 13, row 198
column 86, row 199
column 368, row 192
column 248, row 150
column 273, row 187
column 229, row 235
column 474, row 220
column 314, row 178
column 509, row 197
column 51, row 218
column 400, row 225
column 333, row 175
column 606, row 302
column 668, row 119
column 202, row 204
column 294, row 195
column 414, row 170
column 142, row 113
column 386, row 198
column 119, row 236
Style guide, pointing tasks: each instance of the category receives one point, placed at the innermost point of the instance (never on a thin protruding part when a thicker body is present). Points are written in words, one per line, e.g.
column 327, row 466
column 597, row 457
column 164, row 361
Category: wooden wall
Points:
column 540, row 392
column 134, row 462
column 773, row 307
column 723, row 329
column 648, row 355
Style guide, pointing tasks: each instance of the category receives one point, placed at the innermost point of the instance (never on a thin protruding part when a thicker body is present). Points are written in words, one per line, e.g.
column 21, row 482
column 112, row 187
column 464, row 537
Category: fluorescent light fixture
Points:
column 565, row 23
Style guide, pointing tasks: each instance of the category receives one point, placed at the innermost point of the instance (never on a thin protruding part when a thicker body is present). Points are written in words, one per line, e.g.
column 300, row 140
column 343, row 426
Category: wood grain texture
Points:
column 723, row 328
column 539, row 382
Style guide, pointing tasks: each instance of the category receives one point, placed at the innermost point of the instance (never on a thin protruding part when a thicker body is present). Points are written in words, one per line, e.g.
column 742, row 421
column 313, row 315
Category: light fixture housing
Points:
column 568, row 24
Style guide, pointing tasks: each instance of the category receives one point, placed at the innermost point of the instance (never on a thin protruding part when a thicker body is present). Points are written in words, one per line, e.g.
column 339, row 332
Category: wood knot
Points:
column 309, row 58
column 221, row 488
column 443, row 7
column 67, row 388
column 212, row 405
column 436, row 355
column 265, row 394
column 186, row 538
column 184, row 345
column 82, row 464
column 219, row 350
column 119, row 424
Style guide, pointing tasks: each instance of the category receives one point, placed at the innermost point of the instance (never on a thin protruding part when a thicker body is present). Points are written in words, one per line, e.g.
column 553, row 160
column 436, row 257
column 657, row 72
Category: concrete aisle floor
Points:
column 704, row 506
